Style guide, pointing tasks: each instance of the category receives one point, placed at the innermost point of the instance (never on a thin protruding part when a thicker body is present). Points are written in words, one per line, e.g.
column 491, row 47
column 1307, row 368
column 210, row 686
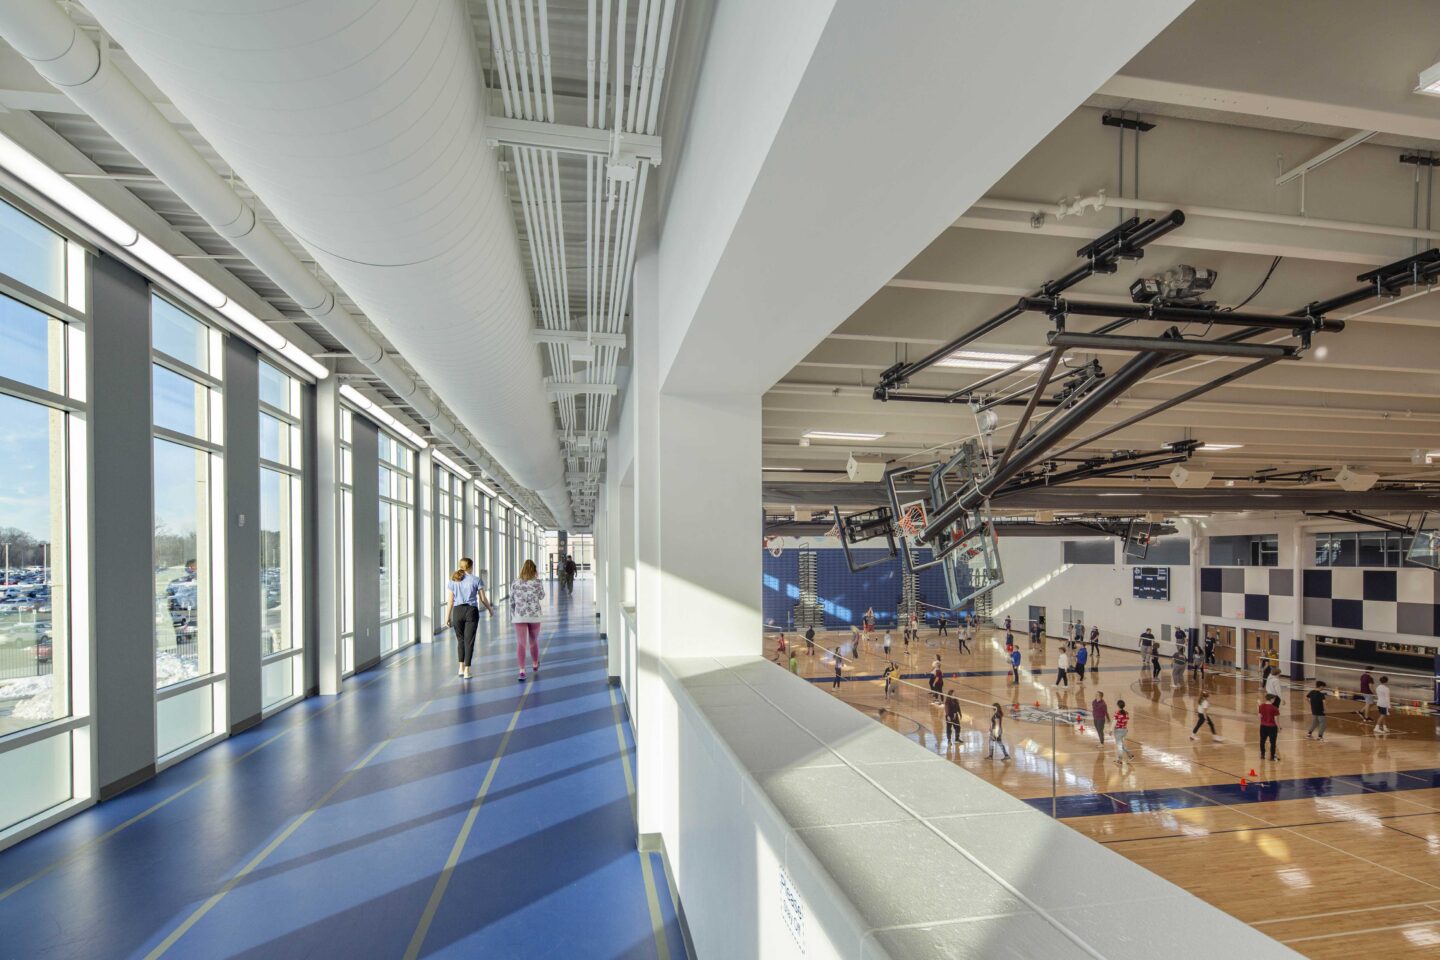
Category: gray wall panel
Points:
column 123, row 511
column 365, row 453
column 242, row 530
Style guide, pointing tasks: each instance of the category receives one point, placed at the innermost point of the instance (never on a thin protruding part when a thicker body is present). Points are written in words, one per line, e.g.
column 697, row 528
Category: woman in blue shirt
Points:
column 462, row 610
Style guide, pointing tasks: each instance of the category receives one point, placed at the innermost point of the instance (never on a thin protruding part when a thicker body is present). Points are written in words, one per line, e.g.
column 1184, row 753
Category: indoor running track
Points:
column 349, row 826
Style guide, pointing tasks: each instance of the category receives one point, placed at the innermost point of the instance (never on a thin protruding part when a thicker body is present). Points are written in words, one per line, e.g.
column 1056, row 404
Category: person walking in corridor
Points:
column 464, row 594
column 526, row 595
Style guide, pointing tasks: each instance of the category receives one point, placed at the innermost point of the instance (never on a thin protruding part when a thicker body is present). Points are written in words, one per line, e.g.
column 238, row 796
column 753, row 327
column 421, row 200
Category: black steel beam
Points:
column 1017, row 436
column 1126, row 241
column 1175, row 401
column 1169, row 345
column 1064, row 425
column 1176, row 314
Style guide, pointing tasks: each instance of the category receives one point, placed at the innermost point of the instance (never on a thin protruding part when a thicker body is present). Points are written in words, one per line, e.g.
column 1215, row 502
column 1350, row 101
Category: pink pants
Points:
column 531, row 630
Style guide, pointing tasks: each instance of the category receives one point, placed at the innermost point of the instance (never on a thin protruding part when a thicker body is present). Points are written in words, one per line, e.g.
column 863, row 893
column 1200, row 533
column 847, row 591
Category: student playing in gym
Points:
column 1382, row 703
column 952, row 718
column 1202, row 718
column 1015, row 662
column 1121, row 731
column 997, row 733
column 1317, row 712
column 1100, row 715
column 1269, row 725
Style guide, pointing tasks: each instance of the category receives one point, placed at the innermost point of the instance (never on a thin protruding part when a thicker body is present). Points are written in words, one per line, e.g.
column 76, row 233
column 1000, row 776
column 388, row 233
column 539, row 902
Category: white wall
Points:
column 1036, row 573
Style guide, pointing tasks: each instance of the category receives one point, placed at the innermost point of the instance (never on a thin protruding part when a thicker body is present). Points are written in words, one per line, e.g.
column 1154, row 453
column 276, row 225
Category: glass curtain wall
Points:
column 346, row 528
column 44, row 662
column 186, row 400
column 281, row 672
column 397, row 544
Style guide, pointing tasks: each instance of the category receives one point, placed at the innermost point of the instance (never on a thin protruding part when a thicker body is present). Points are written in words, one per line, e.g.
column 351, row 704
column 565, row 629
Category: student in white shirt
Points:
column 1382, row 701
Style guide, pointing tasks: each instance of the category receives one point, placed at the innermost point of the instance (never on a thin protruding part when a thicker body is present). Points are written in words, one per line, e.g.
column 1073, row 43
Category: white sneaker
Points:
column 1193, row 737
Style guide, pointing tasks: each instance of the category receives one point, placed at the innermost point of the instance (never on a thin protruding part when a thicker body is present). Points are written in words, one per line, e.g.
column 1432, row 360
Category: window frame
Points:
column 213, row 446
column 292, row 474
column 74, row 652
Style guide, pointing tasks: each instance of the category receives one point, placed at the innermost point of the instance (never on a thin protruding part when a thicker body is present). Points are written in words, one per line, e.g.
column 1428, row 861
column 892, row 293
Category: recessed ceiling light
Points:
column 981, row 360
column 839, row 435
column 1430, row 81
column 1218, row 447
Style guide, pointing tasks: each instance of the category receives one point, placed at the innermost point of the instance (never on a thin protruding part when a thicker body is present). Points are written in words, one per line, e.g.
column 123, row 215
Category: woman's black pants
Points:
column 465, row 618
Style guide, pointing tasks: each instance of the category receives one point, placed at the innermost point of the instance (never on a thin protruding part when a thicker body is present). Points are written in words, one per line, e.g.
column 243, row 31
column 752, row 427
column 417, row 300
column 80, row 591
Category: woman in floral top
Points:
column 525, row 597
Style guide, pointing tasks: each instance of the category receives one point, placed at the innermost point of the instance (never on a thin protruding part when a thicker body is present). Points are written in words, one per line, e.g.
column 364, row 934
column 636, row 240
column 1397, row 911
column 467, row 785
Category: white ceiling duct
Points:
column 361, row 127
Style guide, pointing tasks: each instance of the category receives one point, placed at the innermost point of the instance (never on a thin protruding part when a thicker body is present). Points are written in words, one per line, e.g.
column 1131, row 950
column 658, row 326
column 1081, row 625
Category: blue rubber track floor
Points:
column 414, row 815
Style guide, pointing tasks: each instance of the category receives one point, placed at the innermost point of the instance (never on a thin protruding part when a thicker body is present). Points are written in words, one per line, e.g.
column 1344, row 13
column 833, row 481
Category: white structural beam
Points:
column 789, row 211
column 1324, row 156
column 555, row 389
column 1209, row 60
column 510, row 131
column 578, row 336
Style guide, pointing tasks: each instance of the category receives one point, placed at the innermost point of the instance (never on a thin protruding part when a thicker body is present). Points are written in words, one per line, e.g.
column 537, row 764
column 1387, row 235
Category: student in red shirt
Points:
column 1120, row 731
column 1269, row 724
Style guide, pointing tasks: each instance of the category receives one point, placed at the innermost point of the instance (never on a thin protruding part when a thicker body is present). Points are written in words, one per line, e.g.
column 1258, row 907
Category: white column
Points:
column 329, row 565
column 425, row 574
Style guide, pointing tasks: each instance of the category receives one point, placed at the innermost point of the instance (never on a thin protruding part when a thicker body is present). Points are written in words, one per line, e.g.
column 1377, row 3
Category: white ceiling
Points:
column 1366, row 397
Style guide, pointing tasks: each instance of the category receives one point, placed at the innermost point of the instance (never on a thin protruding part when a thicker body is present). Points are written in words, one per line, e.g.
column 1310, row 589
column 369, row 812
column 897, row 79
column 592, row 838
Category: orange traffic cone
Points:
column 1037, row 704
column 1243, row 784
column 1252, row 771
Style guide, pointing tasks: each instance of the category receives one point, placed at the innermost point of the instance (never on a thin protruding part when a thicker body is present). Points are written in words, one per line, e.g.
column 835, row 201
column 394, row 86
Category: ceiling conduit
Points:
column 363, row 132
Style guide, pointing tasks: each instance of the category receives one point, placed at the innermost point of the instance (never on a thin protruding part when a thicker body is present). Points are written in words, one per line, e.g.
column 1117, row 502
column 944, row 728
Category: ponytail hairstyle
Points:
column 463, row 569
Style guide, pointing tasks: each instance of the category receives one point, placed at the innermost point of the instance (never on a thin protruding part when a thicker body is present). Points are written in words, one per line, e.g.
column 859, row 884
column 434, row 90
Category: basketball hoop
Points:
column 773, row 545
column 911, row 520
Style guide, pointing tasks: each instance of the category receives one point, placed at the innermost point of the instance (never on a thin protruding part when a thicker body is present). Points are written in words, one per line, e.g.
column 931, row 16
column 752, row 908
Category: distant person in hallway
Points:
column 1269, row 725
column 997, row 733
column 570, row 570
column 1317, row 712
column 526, row 595
column 465, row 595
column 1100, row 715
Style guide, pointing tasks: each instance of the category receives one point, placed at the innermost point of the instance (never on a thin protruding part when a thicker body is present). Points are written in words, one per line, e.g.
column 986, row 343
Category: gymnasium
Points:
column 720, row 479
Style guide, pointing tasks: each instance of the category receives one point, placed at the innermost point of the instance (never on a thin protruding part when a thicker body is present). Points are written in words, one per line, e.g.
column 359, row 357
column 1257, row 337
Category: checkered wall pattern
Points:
column 1246, row 593
column 1406, row 600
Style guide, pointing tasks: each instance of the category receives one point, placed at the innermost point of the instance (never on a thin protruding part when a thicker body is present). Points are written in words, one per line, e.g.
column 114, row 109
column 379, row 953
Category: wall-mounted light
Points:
column 1218, row 447
column 450, row 465
column 52, row 185
column 376, row 413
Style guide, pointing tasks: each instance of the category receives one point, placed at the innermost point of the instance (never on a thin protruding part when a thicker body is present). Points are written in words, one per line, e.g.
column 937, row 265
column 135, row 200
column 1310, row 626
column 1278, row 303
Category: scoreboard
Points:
column 1151, row 583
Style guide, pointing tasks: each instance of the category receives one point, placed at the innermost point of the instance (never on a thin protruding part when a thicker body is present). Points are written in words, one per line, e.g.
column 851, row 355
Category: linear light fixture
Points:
column 785, row 469
column 40, row 177
column 1429, row 81
column 450, row 465
column 1218, row 447
column 376, row 413
column 840, row 435
column 982, row 360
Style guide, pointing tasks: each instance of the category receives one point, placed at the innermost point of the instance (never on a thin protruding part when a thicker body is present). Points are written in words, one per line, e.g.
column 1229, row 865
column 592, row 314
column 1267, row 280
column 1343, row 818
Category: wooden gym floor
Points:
column 1334, row 849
